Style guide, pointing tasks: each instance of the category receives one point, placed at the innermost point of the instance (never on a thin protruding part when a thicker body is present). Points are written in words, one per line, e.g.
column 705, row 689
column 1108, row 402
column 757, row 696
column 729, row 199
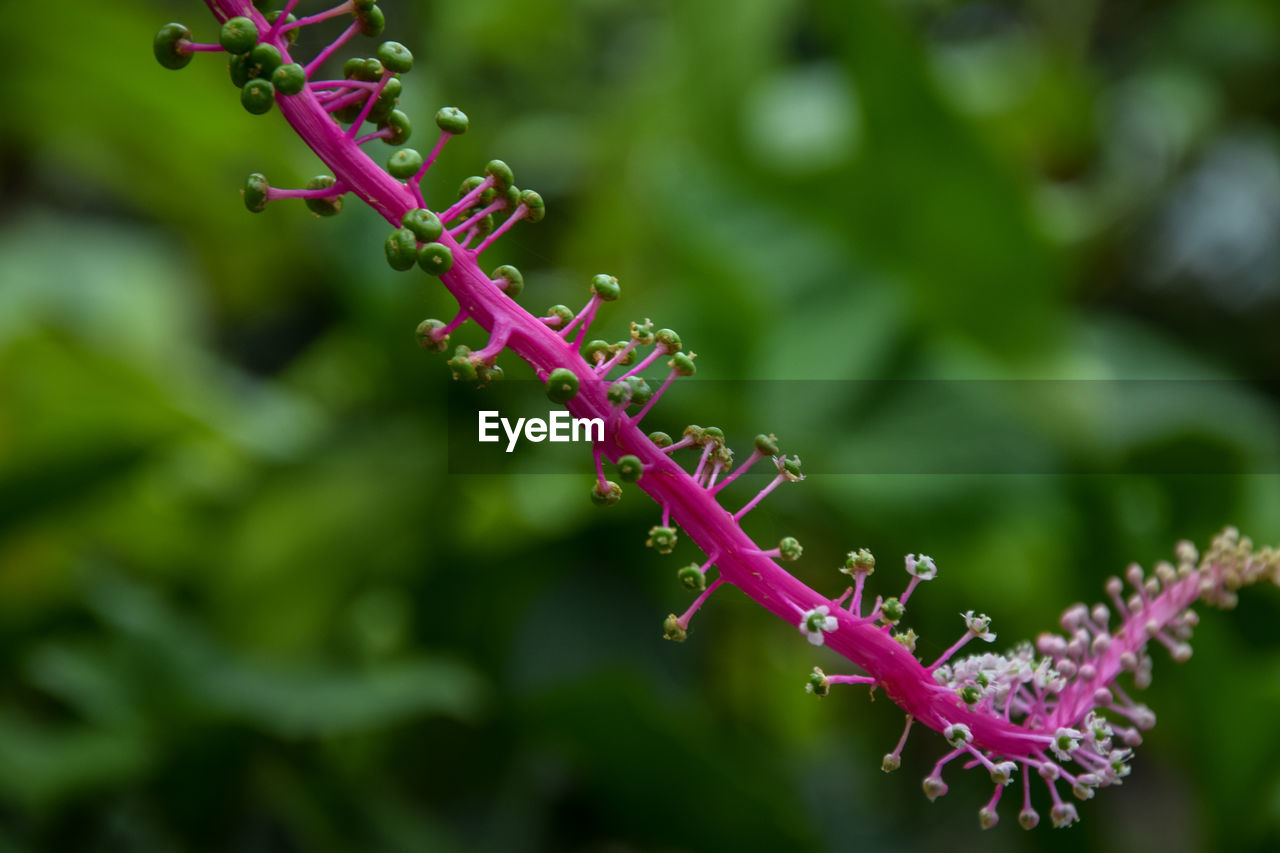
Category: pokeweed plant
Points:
column 1054, row 709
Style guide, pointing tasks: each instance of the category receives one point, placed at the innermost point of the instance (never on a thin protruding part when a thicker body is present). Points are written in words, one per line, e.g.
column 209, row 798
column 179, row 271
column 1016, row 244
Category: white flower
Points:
column 978, row 625
column 1003, row 772
column 1063, row 814
column 1065, row 741
column 957, row 734
column 920, row 566
column 815, row 621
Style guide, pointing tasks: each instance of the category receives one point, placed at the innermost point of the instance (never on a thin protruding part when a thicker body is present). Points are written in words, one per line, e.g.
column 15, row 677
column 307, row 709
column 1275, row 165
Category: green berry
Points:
column 238, row 67
column 167, row 46
column 452, row 120
column 486, row 373
column 423, row 223
column 596, row 352
column 563, row 312
column 630, row 468
column 372, row 21
column 662, row 539
column 661, row 439
column 611, row 495
column 404, row 164
column 435, row 258
column 692, row 577
column 425, row 333
column 264, row 59
column 401, row 128
column 790, row 548
column 533, row 202
column 642, row 333
column 671, row 629
column 767, row 445
column 463, row 369
column 641, row 393
column 395, row 57
column 970, row 694
column 667, row 339
column 682, row 364
column 402, row 249
column 238, row 35
column 501, row 173
column 325, row 205
column 289, row 79
column 629, row 358
column 510, row 279
column 292, row 35
column 255, row 192
column 606, row 287
column 562, row 385
column 257, row 96
column 619, row 393
column 791, row 469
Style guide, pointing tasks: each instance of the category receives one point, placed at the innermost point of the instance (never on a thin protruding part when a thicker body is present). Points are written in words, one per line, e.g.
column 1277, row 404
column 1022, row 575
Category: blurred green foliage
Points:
column 243, row 605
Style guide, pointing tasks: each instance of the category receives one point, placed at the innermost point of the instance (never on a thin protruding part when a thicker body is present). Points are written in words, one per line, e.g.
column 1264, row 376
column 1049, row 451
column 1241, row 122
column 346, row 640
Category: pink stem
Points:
column 698, row 602
column 755, row 457
column 658, row 352
column 368, row 103
column 520, row 213
column 333, row 46
column 278, row 27
column 773, row 484
column 444, row 137
column 342, row 9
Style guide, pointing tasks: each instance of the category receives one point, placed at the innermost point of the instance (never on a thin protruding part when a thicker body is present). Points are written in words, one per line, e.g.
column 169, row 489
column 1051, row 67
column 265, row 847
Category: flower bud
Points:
column 1028, row 819
column 890, row 762
column 167, row 46
column 934, row 787
column 464, row 370
column 891, row 611
column 987, row 817
column 671, row 629
column 861, row 561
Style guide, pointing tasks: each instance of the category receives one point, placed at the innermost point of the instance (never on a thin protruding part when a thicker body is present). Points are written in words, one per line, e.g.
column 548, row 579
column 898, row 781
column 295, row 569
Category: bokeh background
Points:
column 245, row 606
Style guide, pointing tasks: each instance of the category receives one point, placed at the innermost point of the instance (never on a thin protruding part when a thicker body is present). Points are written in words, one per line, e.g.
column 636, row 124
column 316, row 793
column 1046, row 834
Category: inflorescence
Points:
column 1053, row 710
